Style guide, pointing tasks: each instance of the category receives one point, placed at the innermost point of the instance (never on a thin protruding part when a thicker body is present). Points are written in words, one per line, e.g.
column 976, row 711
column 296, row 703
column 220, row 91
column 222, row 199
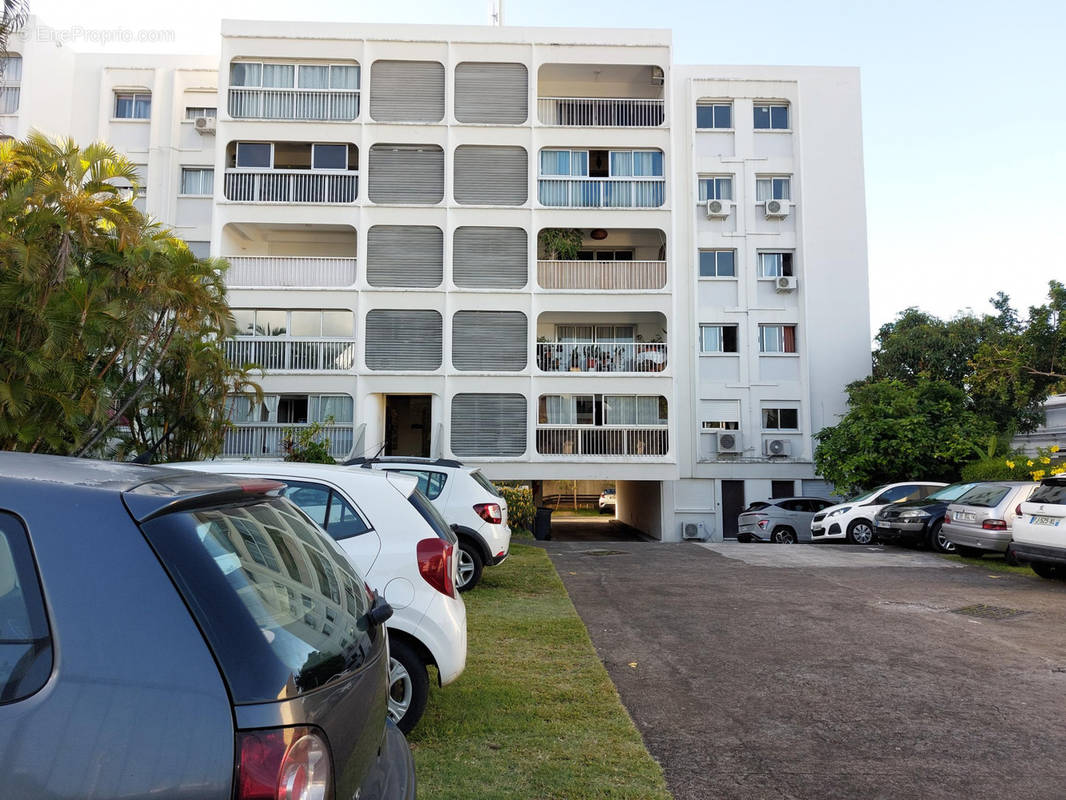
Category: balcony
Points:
column 601, row 342
column 614, row 259
column 291, row 186
column 290, row 271
column 601, row 275
column 289, row 354
column 280, row 254
column 601, row 95
column 595, row 442
column 600, row 112
column 629, row 357
column 265, row 441
column 293, row 104
column 627, row 192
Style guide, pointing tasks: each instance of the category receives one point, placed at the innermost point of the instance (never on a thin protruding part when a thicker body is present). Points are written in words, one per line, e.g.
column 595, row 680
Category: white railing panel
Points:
column 566, row 192
column 601, row 356
column 267, row 441
column 586, row 440
column 290, row 271
column 604, row 275
column 601, row 112
column 292, row 355
column 291, row 186
column 295, row 104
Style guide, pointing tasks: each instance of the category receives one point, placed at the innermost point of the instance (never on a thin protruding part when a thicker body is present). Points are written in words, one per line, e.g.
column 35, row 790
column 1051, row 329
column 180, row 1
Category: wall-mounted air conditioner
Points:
column 718, row 209
column 785, row 283
column 777, row 447
column 729, row 441
column 205, row 125
column 776, row 209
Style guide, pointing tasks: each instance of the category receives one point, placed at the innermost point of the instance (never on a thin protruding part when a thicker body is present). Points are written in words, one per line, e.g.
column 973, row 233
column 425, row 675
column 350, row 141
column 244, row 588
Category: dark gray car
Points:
column 784, row 520
column 185, row 636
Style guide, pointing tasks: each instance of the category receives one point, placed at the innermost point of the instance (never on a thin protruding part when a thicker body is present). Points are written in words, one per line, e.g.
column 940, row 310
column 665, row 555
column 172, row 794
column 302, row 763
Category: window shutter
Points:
column 405, row 256
column 491, row 175
column 489, row 340
column 488, row 425
column 490, row 258
column 407, row 91
column 404, row 340
column 495, row 93
column 401, row 173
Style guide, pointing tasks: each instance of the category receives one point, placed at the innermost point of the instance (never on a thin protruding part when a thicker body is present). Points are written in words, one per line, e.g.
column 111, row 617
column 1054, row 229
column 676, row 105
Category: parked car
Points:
column 982, row 520
column 785, row 520
column 403, row 547
column 608, row 501
column 853, row 520
column 1040, row 530
column 919, row 521
column 467, row 500
column 175, row 635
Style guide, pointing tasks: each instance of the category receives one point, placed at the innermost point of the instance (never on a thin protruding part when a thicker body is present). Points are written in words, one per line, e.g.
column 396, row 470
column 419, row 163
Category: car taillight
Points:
column 490, row 512
column 947, row 518
column 436, row 564
column 994, row 525
column 1018, row 510
column 283, row 764
column 762, row 523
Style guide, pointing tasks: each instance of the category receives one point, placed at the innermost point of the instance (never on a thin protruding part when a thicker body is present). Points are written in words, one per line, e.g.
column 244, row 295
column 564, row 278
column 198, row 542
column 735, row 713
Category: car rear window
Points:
column 431, row 484
column 950, row 493
column 987, row 496
column 432, row 517
column 327, row 507
column 1050, row 493
column 25, row 640
column 757, row 506
column 281, row 606
column 485, row 483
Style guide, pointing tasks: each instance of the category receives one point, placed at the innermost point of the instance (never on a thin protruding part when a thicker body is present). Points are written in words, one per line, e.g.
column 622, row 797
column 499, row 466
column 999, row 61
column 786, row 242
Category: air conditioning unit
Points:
column 718, row 208
column 205, row 125
column 694, row 530
column 776, row 209
column 777, row 447
column 785, row 283
column 729, row 441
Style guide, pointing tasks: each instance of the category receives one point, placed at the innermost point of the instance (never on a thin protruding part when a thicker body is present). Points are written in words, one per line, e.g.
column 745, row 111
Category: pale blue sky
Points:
column 964, row 111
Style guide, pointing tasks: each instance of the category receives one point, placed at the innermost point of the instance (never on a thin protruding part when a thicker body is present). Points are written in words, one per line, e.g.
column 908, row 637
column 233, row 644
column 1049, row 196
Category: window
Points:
column 780, row 419
column 431, row 484
column 599, row 410
column 595, row 333
column 564, row 162
column 255, row 155
column 279, row 322
column 329, row 156
column 721, row 425
column 718, row 264
column 130, row 105
column 775, row 265
column 899, row 493
column 194, row 112
column 718, row 338
column 605, row 255
column 10, row 80
column 777, row 338
column 773, row 188
column 716, row 188
column 771, row 116
column 197, row 180
column 25, row 641
column 714, row 115
column 244, row 74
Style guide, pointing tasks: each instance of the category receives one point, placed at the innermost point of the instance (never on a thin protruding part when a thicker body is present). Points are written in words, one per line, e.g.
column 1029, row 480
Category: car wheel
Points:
column 1049, row 571
column 470, row 566
column 408, row 685
column 783, row 535
column 743, row 538
column 969, row 552
column 1010, row 558
column 860, row 532
column 937, row 541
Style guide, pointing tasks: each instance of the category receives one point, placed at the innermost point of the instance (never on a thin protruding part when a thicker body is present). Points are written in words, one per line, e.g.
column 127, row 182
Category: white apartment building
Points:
column 383, row 194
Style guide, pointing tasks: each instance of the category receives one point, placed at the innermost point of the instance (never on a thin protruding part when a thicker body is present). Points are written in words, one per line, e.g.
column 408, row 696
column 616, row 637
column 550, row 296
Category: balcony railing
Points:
column 291, row 186
column 292, row 355
column 290, row 271
column 600, row 112
column 603, row 275
column 265, row 441
column 601, row 357
column 602, row 192
column 296, row 104
column 586, row 440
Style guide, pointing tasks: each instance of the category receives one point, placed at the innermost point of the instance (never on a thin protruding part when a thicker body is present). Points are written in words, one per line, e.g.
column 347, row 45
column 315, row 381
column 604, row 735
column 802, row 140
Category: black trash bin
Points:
column 542, row 524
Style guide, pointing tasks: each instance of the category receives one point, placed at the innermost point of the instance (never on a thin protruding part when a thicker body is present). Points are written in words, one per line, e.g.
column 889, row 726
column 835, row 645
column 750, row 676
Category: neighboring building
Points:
column 1052, row 432
column 381, row 193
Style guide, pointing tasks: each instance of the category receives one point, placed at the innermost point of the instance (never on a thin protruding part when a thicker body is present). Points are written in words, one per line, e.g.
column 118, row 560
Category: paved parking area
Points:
column 767, row 671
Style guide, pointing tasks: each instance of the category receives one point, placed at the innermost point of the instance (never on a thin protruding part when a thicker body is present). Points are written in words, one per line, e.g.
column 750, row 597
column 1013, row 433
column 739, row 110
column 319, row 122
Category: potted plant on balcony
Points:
column 560, row 244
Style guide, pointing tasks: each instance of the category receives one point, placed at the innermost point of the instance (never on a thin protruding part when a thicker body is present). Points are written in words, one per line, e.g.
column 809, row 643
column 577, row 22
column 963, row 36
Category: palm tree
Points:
column 16, row 12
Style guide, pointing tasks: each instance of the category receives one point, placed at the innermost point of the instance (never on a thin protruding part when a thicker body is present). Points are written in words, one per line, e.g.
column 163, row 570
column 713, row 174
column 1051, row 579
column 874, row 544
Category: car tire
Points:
column 860, row 531
column 783, row 535
column 1049, row 571
column 936, row 539
column 743, row 538
column 408, row 685
column 1010, row 558
column 471, row 566
column 969, row 552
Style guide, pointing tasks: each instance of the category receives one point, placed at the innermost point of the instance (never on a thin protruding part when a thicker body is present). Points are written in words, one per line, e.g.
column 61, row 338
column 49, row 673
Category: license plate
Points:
column 1039, row 520
column 884, row 527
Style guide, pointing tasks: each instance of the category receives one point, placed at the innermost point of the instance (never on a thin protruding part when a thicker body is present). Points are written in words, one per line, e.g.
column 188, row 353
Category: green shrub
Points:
column 519, row 506
column 308, row 444
column 1015, row 467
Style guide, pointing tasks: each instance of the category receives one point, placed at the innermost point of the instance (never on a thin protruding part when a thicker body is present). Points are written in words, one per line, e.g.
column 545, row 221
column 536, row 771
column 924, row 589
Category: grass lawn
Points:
column 991, row 563
column 563, row 511
column 534, row 715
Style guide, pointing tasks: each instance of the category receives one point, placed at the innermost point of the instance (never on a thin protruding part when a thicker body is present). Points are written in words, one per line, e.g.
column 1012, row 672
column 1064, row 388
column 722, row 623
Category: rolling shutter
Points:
column 488, row 425
column 490, row 258
column 404, row 340
column 495, row 93
column 407, row 91
column 406, row 173
column 491, row 175
column 405, row 256
column 489, row 340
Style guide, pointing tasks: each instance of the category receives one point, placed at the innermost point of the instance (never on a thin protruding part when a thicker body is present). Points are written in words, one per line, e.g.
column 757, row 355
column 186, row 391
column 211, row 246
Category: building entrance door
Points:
column 408, row 424
column 732, row 505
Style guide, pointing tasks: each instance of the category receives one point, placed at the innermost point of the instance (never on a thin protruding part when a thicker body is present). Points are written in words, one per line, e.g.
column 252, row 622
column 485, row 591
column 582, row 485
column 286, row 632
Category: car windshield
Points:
column 866, row 496
column 953, row 492
column 984, row 496
column 485, row 483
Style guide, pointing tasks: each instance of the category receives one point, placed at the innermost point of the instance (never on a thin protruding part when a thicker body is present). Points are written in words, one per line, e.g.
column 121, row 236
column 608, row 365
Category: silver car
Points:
column 981, row 520
column 785, row 520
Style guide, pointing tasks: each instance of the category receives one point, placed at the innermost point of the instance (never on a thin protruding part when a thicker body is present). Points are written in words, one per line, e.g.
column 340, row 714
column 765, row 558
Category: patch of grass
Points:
column 534, row 715
column 990, row 563
column 581, row 512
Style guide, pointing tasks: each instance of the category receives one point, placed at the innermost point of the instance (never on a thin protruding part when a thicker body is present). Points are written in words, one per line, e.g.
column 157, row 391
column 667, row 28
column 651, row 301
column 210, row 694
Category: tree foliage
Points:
column 309, row 445
column 110, row 328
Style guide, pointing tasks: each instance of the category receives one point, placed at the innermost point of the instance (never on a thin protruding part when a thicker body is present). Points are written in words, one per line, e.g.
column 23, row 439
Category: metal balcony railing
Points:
column 601, row 357
column 601, row 112
column 291, row 186
column 290, row 271
column 566, row 192
column 277, row 354
column 265, row 441
column 586, row 440
column 295, row 104
column 602, row 275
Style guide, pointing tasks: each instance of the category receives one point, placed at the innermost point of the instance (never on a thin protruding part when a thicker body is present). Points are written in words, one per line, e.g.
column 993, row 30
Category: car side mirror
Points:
column 380, row 611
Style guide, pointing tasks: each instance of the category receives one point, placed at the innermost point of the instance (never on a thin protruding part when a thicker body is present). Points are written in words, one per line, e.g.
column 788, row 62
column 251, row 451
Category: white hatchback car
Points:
column 1040, row 530
column 467, row 500
column 854, row 520
column 402, row 547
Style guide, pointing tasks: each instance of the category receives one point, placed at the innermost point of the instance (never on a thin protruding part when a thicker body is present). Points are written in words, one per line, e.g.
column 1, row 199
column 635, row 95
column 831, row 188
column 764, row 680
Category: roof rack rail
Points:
column 362, row 461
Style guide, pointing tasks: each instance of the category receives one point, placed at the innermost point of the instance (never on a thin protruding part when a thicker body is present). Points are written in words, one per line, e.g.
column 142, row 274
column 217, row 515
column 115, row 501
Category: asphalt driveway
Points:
column 768, row 671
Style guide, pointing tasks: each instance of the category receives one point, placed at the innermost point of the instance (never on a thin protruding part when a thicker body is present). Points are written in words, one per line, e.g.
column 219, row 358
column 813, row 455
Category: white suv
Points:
column 467, row 500
column 854, row 520
column 403, row 548
column 1040, row 529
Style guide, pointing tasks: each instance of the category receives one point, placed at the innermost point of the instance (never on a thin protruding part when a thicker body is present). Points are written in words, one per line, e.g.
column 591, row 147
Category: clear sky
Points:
column 964, row 110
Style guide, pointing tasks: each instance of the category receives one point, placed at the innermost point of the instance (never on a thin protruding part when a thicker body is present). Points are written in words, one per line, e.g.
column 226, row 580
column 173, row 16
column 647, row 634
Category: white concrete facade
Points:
column 343, row 150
